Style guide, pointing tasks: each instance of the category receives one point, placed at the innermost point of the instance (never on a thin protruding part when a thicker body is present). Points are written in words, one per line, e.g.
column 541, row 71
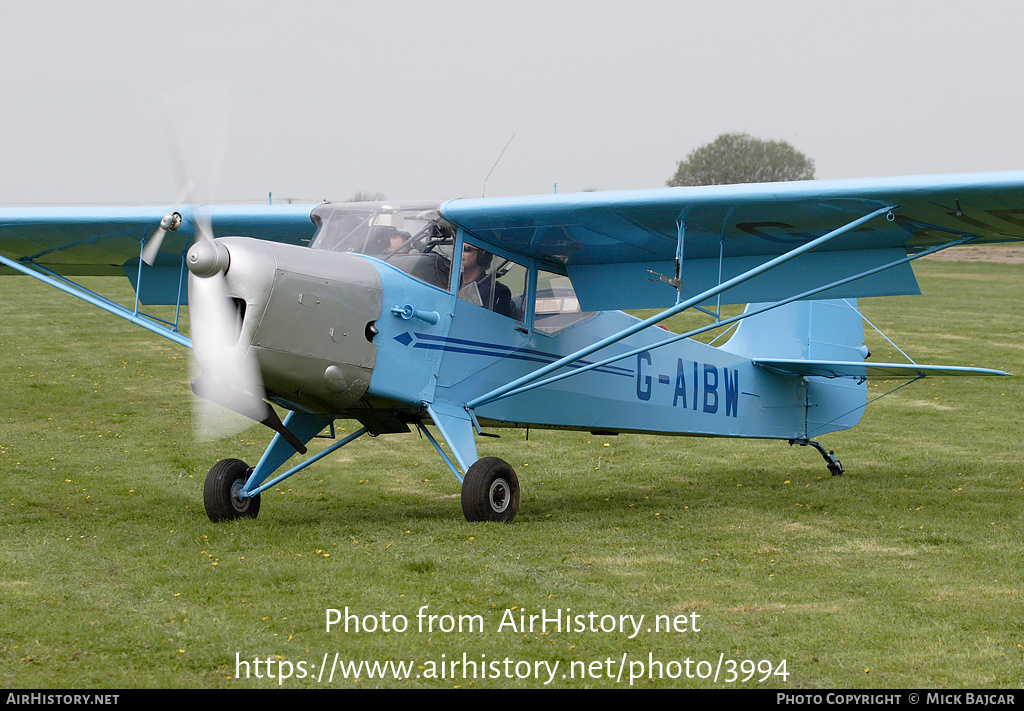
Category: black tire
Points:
column 490, row 491
column 220, row 492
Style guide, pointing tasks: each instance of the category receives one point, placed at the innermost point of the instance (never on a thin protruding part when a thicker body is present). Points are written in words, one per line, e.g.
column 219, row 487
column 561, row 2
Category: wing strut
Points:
column 735, row 319
column 678, row 308
column 68, row 287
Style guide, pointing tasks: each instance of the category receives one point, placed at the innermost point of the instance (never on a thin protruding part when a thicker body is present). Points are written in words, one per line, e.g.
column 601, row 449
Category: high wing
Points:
column 622, row 250
column 610, row 243
column 58, row 245
column 80, row 241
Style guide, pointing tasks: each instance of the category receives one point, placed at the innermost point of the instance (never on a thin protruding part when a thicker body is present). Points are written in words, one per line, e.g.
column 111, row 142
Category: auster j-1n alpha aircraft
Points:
column 505, row 312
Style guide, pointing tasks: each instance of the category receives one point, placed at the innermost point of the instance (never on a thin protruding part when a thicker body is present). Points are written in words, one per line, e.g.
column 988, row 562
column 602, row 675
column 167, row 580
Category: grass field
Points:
column 904, row 572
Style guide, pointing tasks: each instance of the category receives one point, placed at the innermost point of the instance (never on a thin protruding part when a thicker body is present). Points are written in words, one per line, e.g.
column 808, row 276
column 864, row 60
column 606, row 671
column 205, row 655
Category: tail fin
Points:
column 830, row 330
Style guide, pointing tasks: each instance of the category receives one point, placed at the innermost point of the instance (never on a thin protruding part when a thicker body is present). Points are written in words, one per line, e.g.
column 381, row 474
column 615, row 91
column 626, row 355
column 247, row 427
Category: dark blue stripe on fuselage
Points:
column 458, row 345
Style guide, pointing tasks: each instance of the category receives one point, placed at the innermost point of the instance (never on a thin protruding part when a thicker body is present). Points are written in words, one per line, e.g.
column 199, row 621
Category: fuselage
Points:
column 351, row 335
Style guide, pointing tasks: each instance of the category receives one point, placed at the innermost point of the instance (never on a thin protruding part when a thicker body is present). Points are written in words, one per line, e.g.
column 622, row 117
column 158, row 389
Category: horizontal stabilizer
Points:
column 847, row 369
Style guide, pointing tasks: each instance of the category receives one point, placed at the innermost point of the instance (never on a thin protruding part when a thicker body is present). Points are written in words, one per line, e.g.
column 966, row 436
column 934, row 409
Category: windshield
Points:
column 412, row 237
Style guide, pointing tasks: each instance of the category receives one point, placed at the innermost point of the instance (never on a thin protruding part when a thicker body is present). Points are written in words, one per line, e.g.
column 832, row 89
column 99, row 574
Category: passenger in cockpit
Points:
column 399, row 242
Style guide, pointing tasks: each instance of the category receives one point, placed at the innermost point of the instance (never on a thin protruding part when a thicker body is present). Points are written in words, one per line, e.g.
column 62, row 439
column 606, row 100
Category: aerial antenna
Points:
column 484, row 193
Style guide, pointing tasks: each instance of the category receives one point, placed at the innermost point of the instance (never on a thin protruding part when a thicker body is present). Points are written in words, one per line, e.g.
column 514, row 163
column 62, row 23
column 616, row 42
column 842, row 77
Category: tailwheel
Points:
column 835, row 467
column 222, row 488
column 490, row 491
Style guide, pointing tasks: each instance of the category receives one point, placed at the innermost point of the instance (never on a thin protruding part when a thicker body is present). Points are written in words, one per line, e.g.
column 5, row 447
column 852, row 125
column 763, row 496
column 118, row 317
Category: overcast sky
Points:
column 418, row 99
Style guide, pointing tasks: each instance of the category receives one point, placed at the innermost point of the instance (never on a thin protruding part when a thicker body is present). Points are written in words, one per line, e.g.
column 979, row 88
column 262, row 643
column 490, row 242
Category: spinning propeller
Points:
column 197, row 127
column 227, row 382
column 171, row 221
column 226, row 378
column 223, row 375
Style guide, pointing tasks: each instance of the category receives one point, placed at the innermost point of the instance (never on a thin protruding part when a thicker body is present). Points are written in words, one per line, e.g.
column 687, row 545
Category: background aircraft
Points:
column 481, row 313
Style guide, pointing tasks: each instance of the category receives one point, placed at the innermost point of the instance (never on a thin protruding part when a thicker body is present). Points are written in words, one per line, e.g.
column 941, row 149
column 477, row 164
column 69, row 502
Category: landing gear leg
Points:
column 835, row 467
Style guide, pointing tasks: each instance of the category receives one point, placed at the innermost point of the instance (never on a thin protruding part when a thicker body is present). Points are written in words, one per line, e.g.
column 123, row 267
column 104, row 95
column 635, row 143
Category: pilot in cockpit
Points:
column 483, row 288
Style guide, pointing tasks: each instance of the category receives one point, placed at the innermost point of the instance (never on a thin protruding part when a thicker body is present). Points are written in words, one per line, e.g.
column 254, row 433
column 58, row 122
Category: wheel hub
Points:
column 240, row 504
column 498, row 495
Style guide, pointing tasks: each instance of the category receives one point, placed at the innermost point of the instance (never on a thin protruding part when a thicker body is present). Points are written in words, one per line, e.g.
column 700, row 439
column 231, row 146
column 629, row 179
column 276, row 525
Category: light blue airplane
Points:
column 505, row 312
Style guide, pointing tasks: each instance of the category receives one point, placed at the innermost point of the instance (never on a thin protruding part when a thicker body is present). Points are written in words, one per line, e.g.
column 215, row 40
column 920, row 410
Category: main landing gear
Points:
column 222, row 488
column 490, row 491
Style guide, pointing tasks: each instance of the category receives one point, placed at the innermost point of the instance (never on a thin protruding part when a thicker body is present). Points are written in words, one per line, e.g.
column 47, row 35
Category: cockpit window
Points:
column 496, row 283
column 556, row 306
column 415, row 239
column 412, row 237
